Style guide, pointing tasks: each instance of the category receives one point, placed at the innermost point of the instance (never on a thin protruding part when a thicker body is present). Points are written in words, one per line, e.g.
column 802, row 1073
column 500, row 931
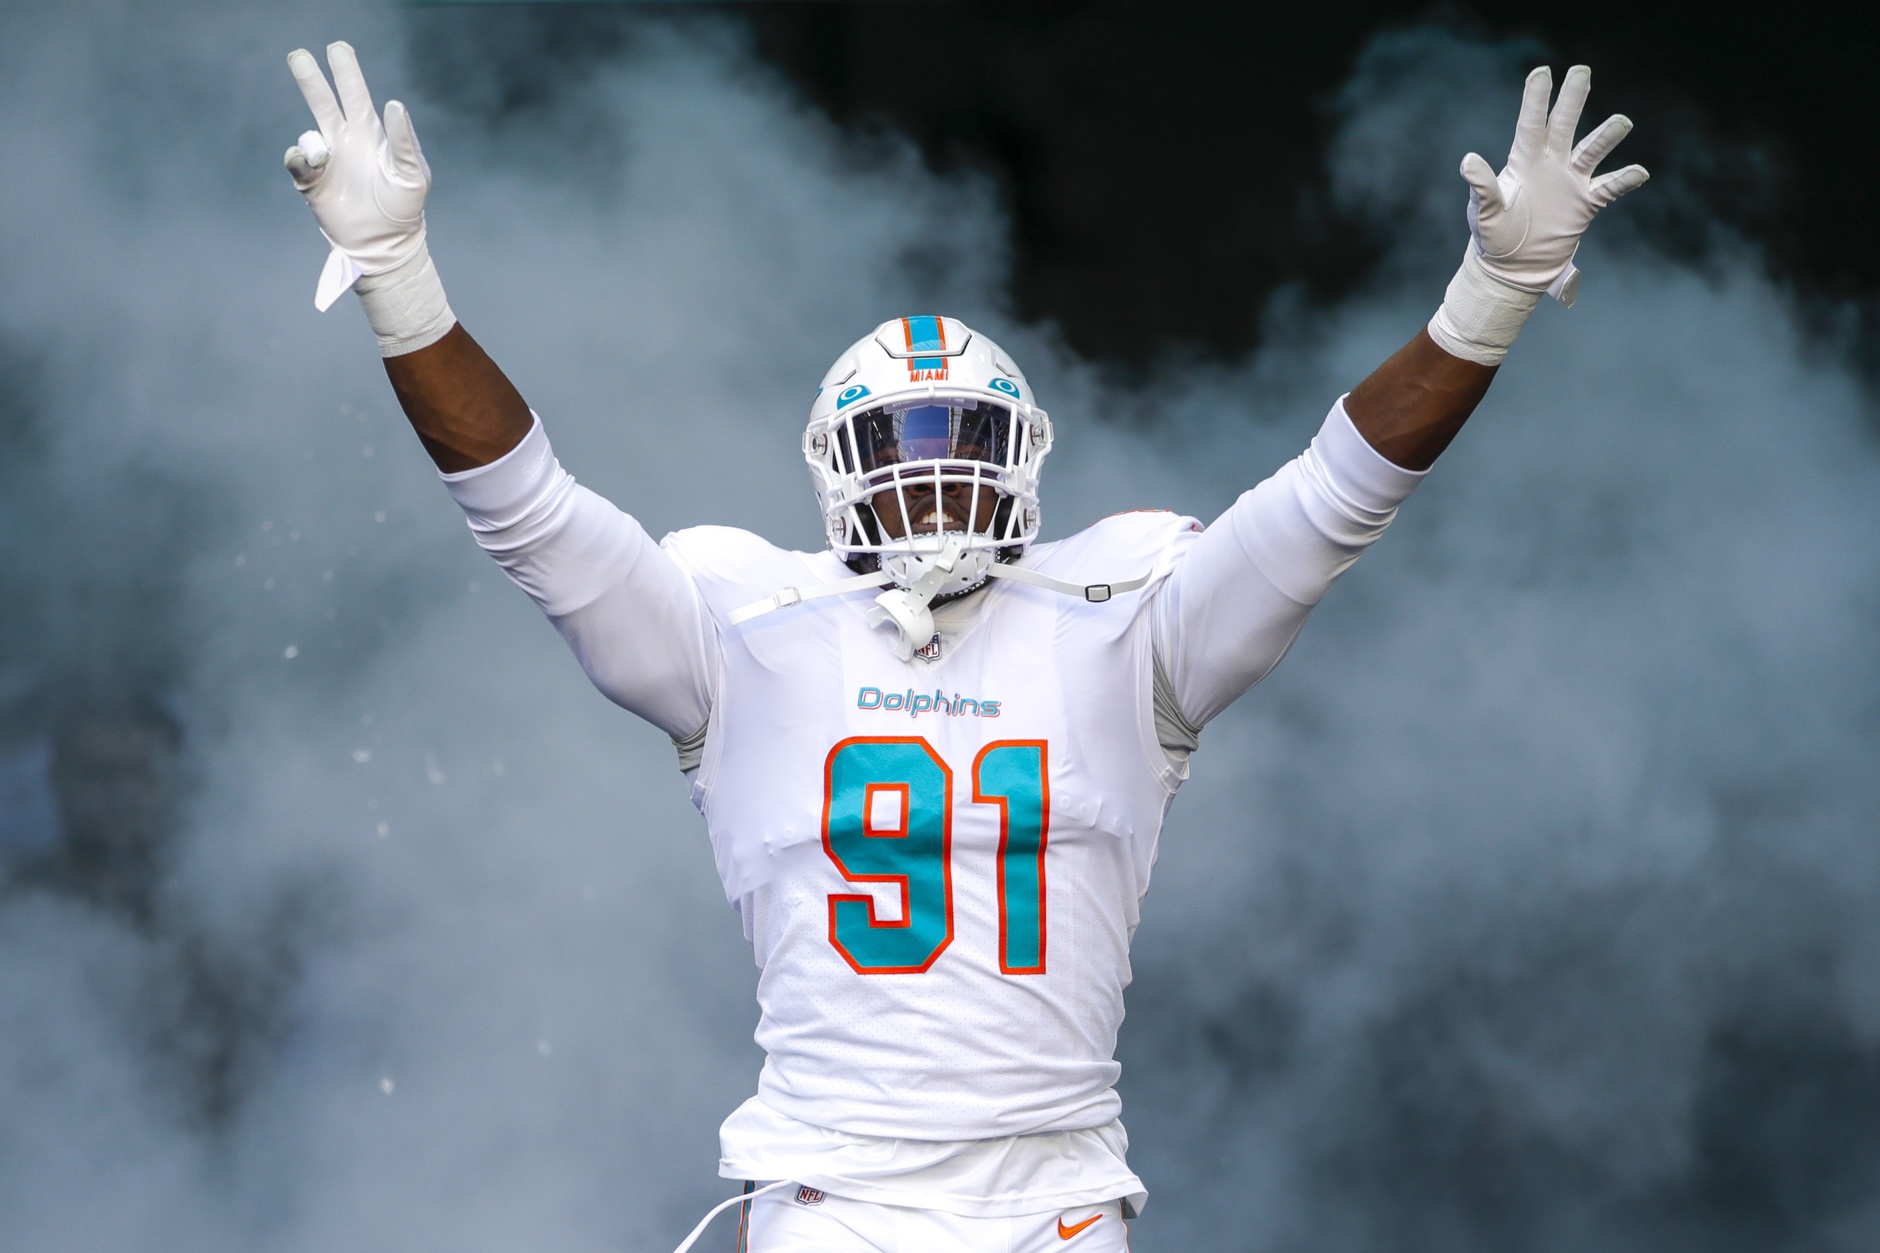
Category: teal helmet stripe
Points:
column 926, row 334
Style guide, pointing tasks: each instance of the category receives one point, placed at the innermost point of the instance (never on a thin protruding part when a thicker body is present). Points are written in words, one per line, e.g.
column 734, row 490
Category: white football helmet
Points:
column 925, row 447
column 924, row 444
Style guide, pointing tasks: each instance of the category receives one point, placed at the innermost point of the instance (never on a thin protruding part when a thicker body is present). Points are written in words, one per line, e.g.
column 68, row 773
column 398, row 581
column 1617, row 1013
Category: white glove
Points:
column 366, row 183
column 1525, row 223
column 368, row 192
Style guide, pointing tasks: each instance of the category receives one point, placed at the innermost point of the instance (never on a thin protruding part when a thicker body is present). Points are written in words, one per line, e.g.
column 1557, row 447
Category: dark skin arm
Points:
column 1413, row 405
column 467, row 413
column 465, row 410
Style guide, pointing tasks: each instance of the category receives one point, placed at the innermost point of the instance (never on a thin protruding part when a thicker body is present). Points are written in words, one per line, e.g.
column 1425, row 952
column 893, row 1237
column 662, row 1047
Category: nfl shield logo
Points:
column 930, row 650
column 808, row 1196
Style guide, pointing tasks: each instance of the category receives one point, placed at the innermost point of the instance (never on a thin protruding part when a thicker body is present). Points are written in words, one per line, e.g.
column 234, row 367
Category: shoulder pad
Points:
column 732, row 567
column 1120, row 546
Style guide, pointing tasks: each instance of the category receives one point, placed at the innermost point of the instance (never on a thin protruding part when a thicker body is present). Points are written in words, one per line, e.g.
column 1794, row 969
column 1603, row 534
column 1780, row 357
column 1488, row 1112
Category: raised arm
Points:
column 628, row 611
column 1524, row 227
column 1233, row 605
column 366, row 182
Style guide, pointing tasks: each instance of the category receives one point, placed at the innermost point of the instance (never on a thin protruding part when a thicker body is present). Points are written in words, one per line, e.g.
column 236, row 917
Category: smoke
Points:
column 1527, row 905
column 1534, row 910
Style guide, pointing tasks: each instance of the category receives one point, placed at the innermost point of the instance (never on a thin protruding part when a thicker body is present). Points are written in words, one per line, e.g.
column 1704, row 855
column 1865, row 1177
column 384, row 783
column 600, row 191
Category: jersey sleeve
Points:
column 1232, row 606
column 626, row 608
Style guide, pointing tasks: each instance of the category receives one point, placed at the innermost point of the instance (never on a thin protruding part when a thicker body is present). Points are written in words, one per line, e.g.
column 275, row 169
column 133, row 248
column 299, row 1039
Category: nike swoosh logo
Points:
column 1065, row 1233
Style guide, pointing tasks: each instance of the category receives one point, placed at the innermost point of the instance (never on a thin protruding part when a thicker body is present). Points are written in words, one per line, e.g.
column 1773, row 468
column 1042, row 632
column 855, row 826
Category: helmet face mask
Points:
column 922, row 433
column 930, row 467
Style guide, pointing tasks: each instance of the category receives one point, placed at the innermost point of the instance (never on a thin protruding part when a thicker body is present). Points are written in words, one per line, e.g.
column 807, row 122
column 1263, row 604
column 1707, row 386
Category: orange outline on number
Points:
column 907, row 897
column 1005, row 835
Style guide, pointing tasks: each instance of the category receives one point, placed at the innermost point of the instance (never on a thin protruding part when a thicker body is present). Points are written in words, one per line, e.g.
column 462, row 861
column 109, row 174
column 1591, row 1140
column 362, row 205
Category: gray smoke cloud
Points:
column 1528, row 905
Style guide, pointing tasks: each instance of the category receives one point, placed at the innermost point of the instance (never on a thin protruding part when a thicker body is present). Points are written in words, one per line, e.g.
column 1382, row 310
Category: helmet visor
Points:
column 960, row 430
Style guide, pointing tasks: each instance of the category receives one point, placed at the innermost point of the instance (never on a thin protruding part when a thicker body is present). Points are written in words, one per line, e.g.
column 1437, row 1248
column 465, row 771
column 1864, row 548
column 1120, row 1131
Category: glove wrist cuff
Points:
column 406, row 305
column 1480, row 315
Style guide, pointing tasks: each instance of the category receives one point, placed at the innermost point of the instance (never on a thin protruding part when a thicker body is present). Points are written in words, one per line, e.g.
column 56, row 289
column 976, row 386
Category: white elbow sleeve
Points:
column 1304, row 526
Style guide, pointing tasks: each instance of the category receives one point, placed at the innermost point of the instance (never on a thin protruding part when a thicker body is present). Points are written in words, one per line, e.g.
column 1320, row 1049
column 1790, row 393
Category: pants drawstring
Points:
column 744, row 1197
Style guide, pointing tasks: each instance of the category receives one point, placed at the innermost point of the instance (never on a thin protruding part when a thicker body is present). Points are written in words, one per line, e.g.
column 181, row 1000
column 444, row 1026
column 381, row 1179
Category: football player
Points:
column 934, row 757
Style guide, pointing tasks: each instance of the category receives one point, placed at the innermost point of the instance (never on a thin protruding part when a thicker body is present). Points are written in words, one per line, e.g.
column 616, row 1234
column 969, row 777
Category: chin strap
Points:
column 908, row 609
column 1095, row 593
column 783, row 598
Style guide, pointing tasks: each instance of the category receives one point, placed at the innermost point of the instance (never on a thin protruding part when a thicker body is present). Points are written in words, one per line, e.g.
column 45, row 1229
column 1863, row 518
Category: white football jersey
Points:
column 939, row 862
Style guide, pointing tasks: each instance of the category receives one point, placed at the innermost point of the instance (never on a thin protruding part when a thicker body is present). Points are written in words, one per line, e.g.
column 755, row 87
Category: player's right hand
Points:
column 368, row 193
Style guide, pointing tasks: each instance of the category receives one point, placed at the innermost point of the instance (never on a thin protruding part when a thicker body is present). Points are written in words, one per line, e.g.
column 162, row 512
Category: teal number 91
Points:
column 914, row 850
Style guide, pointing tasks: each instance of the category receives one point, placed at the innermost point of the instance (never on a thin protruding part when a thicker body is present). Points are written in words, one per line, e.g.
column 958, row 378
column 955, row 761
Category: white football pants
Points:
column 803, row 1220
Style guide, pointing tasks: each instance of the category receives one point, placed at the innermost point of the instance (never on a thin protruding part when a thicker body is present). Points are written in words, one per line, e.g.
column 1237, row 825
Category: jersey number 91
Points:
column 916, row 852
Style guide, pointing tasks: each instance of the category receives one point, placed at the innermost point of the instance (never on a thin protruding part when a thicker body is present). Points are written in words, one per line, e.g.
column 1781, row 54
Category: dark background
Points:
column 1162, row 163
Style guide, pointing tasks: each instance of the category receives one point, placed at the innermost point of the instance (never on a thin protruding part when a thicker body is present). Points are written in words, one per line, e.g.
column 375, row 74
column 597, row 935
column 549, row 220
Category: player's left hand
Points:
column 365, row 181
column 1527, row 221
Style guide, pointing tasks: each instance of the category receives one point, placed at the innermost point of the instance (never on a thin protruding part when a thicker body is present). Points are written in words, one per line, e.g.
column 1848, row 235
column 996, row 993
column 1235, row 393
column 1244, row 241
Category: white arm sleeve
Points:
column 1229, row 610
column 631, row 615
